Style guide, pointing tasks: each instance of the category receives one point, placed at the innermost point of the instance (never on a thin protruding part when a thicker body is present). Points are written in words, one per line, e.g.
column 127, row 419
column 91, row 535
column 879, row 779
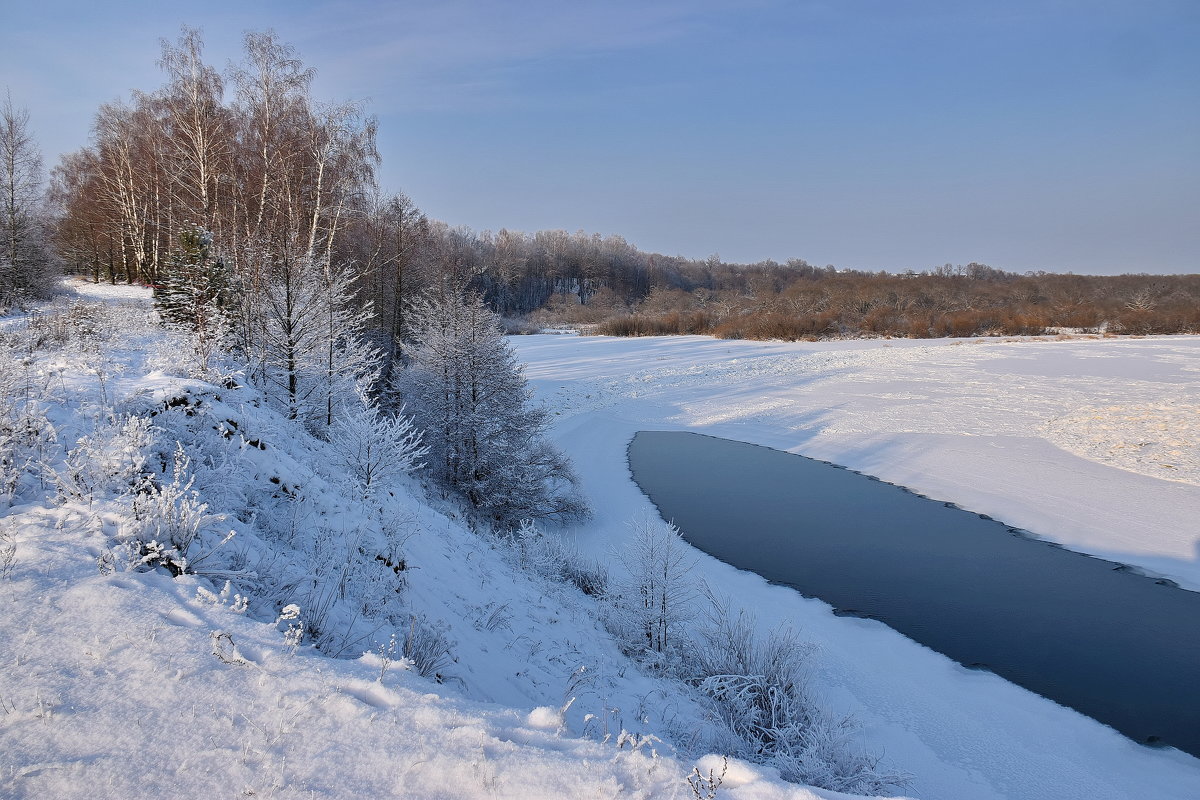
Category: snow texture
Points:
column 1087, row 441
column 122, row 681
column 463, row 672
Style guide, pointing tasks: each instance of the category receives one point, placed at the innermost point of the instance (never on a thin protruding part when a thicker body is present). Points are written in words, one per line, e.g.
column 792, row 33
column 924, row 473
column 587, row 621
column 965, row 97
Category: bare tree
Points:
column 656, row 599
column 272, row 91
column 126, row 182
column 386, row 238
column 199, row 145
column 26, row 262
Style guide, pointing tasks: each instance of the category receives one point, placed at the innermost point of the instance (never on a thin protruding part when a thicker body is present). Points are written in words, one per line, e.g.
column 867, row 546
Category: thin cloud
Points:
column 461, row 54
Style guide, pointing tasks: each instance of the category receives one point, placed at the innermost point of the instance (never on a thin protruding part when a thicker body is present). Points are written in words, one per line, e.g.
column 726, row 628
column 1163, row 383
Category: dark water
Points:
column 1112, row 644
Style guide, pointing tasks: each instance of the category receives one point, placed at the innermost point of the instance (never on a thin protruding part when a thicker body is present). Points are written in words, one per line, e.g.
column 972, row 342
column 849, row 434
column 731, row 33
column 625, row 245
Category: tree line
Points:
column 775, row 303
column 285, row 184
column 238, row 189
column 258, row 222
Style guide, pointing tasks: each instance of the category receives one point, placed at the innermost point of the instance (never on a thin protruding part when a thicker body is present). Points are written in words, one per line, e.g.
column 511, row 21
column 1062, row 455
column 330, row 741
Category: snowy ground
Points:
column 1094, row 443
column 118, row 682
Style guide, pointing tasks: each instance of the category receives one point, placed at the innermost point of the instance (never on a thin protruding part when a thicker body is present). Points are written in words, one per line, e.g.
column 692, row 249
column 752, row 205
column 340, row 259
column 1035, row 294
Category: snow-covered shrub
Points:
column 705, row 787
column 113, row 458
column 293, row 627
column 653, row 602
column 303, row 533
column 325, row 580
column 758, row 690
column 25, row 430
column 590, row 577
column 206, row 356
column 216, row 427
column 550, row 557
column 374, row 448
column 379, row 583
column 62, row 323
column 236, row 603
column 427, row 648
column 169, row 518
column 347, row 590
column 82, row 325
column 8, row 553
column 757, row 683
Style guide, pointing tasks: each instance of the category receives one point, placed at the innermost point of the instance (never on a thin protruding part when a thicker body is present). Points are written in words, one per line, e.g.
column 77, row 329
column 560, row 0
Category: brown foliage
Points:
column 775, row 325
column 668, row 324
column 976, row 302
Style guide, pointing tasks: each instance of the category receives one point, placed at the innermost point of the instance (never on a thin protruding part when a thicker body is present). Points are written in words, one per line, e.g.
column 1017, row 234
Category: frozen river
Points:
column 1094, row 443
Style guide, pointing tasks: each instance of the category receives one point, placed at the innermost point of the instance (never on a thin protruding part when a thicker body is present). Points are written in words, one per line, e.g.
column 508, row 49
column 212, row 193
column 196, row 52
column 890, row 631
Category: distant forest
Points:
column 606, row 286
column 276, row 178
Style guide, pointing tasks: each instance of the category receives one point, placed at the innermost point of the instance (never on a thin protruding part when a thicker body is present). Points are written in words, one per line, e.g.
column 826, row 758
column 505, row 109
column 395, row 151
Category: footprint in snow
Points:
column 373, row 695
column 183, row 619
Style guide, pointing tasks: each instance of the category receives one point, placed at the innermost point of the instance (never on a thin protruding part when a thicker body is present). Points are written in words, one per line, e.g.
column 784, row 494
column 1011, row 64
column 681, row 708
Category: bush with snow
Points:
column 169, row 519
column 112, row 459
column 548, row 556
column 426, row 648
column 653, row 602
column 374, row 448
column 754, row 683
column 8, row 553
column 765, row 713
column 25, row 430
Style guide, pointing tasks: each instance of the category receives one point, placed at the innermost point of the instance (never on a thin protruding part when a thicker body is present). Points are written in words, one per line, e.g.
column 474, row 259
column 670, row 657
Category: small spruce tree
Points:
column 486, row 437
column 194, row 289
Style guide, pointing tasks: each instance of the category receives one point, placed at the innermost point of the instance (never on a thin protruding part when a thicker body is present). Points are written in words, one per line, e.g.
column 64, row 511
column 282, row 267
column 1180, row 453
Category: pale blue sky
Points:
column 878, row 134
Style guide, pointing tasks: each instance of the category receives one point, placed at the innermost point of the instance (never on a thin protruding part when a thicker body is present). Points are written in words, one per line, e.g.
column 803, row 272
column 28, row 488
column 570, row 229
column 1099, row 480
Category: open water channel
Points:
column 1096, row 636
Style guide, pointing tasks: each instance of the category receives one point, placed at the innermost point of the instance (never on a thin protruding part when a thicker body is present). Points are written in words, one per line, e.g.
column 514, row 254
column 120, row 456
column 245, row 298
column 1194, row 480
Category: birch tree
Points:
column 313, row 353
column 26, row 261
column 199, row 143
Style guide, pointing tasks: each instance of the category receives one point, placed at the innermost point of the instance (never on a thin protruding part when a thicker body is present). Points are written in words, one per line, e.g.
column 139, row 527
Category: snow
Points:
column 1090, row 442
column 130, row 683
column 126, row 683
column 1093, row 443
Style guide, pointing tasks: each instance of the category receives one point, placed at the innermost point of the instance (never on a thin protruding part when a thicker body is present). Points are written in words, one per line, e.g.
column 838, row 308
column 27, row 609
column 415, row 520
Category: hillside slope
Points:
column 120, row 679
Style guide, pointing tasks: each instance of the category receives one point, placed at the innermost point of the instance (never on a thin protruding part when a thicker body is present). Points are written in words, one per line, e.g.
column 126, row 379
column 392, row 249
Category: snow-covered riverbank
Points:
column 1092, row 443
column 120, row 681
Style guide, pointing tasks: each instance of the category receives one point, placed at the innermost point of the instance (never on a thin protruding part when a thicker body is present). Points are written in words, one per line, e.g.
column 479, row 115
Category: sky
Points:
column 1058, row 135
